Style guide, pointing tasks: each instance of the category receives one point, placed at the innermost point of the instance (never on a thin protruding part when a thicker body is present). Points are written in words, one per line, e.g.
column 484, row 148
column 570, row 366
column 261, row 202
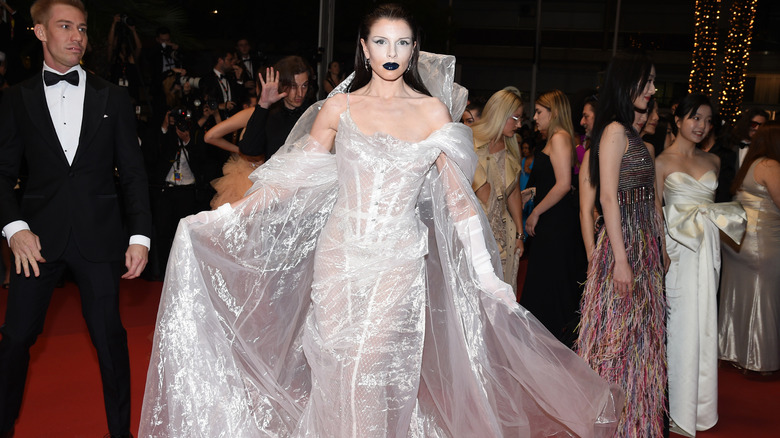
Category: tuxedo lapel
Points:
column 38, row 111
column 95, row 99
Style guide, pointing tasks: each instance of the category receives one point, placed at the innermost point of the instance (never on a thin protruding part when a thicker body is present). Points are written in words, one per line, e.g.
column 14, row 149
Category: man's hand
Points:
column 269, row 93
column 26, row 247
column 135, row 260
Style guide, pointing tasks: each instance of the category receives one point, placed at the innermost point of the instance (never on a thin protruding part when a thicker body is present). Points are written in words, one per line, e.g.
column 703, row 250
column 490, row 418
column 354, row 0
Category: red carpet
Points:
column 64, row 397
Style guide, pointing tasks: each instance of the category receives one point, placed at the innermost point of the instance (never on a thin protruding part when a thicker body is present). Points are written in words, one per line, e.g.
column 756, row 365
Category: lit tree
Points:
column 737, row 51
column 705, row 46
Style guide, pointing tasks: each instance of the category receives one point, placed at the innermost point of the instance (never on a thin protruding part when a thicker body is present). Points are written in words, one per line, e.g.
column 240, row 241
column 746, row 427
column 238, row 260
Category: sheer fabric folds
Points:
column 336, row 300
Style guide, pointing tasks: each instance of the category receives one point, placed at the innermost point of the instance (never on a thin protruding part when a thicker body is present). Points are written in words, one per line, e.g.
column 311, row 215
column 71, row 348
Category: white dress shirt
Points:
column 66, row 107
column 181, row 165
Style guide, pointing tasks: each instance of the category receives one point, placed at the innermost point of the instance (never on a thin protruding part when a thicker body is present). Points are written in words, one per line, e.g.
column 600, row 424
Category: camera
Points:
column 129, row 21
column 213, row 104
column 182, row 118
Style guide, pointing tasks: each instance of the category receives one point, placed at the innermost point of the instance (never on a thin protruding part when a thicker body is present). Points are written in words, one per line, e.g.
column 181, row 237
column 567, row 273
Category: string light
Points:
column 705, row 46
column 737, row 53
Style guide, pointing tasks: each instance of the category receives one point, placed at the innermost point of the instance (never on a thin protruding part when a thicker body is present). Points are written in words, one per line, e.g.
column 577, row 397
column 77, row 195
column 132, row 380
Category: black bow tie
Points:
column 743, row 145
column 51, row 78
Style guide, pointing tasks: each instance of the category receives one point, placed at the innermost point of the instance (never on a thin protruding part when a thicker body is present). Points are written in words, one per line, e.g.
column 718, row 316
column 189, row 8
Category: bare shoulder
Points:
column 613, row 130
column 332, row 108
column 663, row 162
column 614, row 139
column 664, row 157
column 436, row 111
column 336, row 103
column 559, row 143
column 767, row 168
column 712, row 159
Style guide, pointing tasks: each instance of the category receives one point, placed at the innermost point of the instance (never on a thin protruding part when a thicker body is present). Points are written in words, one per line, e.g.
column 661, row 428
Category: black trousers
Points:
column 28, row 301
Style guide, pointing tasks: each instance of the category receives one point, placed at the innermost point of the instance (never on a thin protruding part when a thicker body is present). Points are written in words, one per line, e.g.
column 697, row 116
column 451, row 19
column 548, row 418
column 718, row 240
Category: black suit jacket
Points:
column 254, row 60
column 78, row 200
column 212, row 88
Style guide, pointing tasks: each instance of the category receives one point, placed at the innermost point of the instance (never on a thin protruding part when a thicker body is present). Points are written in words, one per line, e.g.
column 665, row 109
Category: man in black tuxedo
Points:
column 222, row 85
column 732, row 150
column 74, row 130
column 249, row 61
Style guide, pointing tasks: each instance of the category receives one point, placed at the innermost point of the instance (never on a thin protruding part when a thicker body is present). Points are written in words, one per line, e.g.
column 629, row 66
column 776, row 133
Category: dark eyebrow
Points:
column 380, row 36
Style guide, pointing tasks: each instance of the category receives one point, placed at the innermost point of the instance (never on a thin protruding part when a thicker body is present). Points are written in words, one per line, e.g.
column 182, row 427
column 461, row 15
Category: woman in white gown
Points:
column 688, row 177
column 354, row 294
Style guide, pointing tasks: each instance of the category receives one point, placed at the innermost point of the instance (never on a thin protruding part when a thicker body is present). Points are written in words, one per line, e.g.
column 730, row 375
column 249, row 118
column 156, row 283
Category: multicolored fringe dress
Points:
column 623, row 338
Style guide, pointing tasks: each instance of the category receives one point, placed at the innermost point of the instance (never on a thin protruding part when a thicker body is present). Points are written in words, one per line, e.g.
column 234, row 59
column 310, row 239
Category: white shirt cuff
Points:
column 13, row 228
column 138, row 239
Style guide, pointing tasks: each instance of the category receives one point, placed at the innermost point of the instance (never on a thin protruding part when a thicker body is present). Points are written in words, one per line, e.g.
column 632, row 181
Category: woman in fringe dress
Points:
column 622, row 327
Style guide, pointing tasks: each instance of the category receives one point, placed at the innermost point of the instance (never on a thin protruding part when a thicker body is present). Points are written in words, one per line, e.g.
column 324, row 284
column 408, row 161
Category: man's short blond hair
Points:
column 41, row 9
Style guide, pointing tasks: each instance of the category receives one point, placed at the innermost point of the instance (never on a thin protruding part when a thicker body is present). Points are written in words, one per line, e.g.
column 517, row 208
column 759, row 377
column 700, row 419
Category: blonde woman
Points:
column 556, row 260
column 495, row 181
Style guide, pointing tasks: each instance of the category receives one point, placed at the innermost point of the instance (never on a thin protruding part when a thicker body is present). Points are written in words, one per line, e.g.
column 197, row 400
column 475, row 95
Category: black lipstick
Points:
column 390, row 65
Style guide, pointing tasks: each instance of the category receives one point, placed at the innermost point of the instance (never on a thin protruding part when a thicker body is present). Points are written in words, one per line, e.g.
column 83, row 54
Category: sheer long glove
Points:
column 471, row 235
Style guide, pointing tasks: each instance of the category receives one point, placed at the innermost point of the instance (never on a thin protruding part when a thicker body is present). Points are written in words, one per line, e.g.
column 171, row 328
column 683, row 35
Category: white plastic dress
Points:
column 336, row 300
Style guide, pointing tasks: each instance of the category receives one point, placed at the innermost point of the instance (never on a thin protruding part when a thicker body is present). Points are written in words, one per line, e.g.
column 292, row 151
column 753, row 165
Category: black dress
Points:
column 556, row 258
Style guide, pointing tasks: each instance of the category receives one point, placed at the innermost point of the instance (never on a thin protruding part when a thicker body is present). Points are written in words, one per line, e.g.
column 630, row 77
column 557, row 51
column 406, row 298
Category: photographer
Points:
column 160, row 62
column 177, row 180
column 222, row 84
column 124, row 48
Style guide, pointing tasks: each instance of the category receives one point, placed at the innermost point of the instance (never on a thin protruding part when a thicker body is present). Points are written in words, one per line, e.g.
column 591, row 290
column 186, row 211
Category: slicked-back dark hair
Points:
column 626, row 77
column 390, row 11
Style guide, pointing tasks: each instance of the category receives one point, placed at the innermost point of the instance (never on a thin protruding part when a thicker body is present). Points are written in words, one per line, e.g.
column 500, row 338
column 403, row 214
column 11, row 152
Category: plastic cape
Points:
column 229, row 356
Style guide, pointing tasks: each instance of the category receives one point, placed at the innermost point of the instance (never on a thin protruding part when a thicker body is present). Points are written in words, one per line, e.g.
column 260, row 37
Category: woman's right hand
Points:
column 623, row 278
column 528, row 194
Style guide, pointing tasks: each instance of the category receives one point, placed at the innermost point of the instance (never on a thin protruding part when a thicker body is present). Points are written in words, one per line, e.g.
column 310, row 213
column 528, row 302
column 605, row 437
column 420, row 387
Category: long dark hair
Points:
column 765, row 143
column 626, row 77
column 389, row 11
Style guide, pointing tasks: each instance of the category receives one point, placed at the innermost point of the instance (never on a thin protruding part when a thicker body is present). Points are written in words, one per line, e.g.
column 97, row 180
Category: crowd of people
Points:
column 360, row 255
column 659, row 192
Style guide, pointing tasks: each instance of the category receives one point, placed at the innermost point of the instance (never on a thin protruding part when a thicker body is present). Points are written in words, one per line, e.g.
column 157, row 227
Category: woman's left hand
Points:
column 530, row 223
column 519, row 247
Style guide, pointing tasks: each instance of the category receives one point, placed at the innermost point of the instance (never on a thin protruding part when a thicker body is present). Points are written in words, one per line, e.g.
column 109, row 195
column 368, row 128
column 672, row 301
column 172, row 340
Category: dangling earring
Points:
column 368, row 65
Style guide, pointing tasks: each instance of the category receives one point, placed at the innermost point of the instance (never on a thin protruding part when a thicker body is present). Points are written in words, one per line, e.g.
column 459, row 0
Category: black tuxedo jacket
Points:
column 212, row 88
column 256, row 66
column 78, row 200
